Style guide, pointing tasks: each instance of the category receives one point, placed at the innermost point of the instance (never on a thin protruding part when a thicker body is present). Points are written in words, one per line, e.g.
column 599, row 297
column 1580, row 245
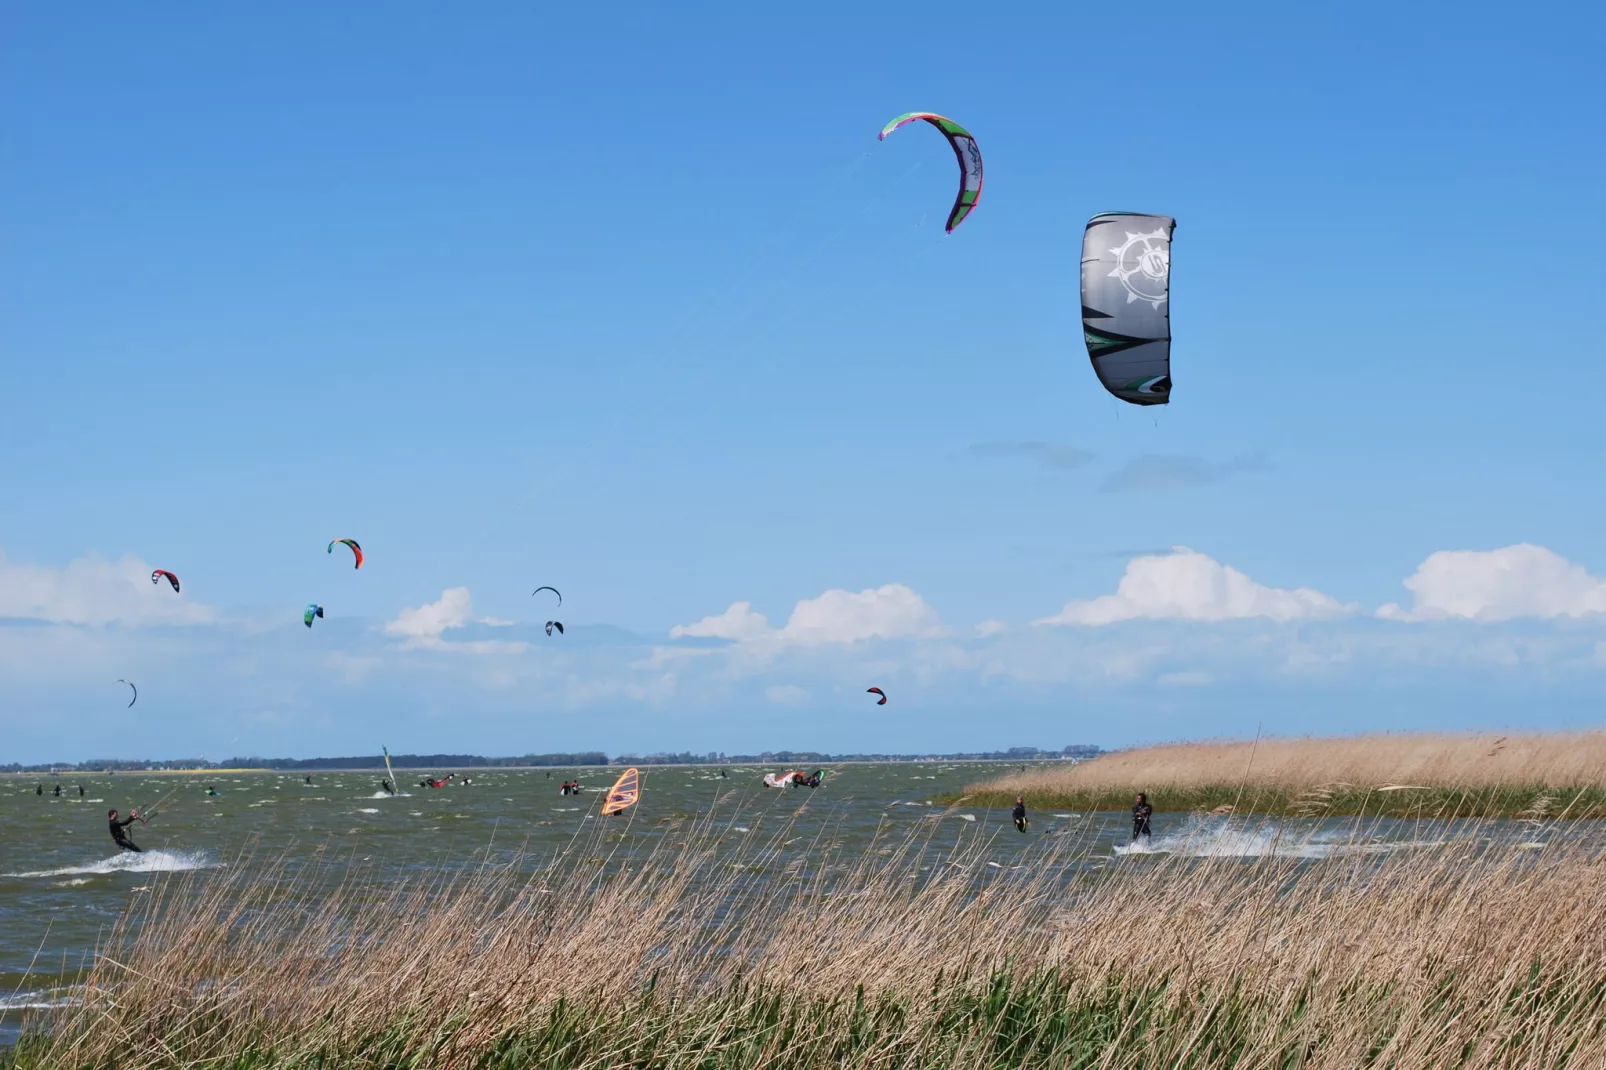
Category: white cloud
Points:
column 423, row 627
column 990, row 627
column 454, row 609
column 739, row 623
column 838, row 616
column 94, row 591
column 1187, row 585
column 892, row 611
column 1504, row 584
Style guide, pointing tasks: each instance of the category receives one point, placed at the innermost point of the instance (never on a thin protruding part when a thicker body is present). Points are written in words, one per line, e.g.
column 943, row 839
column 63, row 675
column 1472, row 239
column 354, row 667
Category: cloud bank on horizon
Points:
column 1511, row 583
column 92, row 591
column 1178, row 623
column 836, row 616
column 1187, row 585
column 423, row 626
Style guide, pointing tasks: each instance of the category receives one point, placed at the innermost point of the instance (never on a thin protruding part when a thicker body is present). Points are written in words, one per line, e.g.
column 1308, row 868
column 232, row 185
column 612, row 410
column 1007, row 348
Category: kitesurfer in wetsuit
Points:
column 1141, row 812
column 57, row 792
column 1019, row 813
column 119, row 829
column 387, row 787
column 210, row 790
column 38, row 789
column 80, row 791
column 309, row 780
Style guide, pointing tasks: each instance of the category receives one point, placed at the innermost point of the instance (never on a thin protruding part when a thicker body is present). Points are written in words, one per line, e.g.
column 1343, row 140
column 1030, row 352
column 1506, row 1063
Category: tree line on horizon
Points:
column 578, row 758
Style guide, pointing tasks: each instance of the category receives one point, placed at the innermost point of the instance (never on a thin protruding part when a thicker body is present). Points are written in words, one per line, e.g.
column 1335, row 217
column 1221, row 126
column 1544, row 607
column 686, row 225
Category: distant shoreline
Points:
column 413, row 762
column 69, row 774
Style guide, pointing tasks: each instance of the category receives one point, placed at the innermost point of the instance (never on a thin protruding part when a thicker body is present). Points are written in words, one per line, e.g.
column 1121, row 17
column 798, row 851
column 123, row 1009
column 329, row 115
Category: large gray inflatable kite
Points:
column 1126, row 304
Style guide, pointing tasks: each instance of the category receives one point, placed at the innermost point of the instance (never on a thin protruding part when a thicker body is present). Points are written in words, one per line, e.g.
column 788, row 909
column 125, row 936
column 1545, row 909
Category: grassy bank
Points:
column 718, row 954
column 1434, row 776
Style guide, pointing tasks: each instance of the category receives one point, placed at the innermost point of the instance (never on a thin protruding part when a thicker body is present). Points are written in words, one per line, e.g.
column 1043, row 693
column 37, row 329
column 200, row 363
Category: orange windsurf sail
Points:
column 624, row 793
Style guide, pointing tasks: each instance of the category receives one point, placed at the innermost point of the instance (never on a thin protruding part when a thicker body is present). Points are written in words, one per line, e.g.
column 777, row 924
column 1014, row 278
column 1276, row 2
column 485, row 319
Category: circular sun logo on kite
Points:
column 1143, row 264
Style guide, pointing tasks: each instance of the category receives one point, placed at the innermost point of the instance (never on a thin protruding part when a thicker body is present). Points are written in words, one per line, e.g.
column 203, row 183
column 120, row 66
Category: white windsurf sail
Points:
column 394, row 787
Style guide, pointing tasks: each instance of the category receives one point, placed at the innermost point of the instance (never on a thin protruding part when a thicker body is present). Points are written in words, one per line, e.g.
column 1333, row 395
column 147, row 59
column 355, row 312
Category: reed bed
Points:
column 1426, row 775
column 703, row 954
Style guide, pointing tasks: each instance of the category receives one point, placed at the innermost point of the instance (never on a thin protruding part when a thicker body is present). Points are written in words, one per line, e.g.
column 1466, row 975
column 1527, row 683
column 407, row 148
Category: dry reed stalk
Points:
column 714, row 953
column 1466, row 763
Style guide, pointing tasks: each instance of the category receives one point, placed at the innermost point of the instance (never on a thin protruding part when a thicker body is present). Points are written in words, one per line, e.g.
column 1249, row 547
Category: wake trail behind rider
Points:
column 119, row 829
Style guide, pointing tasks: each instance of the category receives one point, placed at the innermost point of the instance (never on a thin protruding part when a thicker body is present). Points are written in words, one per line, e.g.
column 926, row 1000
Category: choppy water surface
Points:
column 62, row 880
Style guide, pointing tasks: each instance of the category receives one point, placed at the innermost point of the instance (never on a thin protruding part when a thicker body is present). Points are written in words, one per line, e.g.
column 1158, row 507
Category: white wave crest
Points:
column 131, row 862
column 1222, row 838
column 45, row 1000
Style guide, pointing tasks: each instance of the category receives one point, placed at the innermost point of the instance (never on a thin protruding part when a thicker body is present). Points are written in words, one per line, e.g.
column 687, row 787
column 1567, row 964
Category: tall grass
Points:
column 709, row 954
column 1406, row 775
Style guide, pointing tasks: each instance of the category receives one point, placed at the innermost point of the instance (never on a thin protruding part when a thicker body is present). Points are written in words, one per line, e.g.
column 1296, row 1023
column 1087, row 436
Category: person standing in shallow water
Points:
column 1019, row 813
column 1141, row 812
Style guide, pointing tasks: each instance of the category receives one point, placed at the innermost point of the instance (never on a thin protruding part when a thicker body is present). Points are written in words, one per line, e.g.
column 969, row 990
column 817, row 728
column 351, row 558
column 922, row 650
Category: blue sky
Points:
column 630, row 300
